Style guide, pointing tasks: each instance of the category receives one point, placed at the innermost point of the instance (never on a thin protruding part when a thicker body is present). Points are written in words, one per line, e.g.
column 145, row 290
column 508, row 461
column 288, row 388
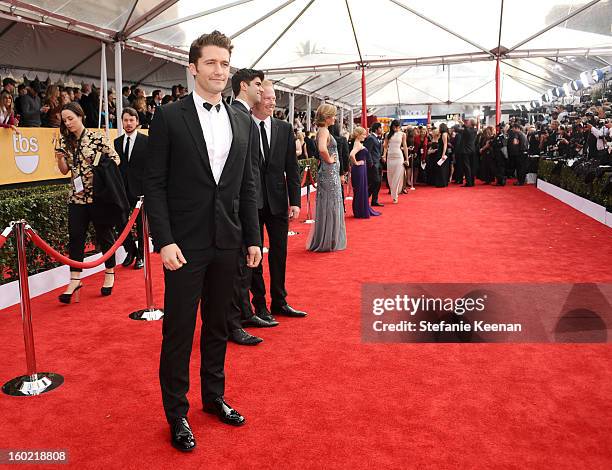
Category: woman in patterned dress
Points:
column 78, row 150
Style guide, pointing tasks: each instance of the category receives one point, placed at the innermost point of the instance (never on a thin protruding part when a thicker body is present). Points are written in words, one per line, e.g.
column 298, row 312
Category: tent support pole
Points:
column 497, row 94
column 118, row 85
column 308, row 112
column 364, row 108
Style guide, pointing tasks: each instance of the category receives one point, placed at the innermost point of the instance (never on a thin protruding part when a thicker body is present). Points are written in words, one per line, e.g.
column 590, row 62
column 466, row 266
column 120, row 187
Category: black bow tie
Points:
column 209, row 106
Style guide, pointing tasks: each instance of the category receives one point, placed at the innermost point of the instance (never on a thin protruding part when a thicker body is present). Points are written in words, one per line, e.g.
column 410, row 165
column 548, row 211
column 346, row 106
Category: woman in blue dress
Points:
column 359, row 176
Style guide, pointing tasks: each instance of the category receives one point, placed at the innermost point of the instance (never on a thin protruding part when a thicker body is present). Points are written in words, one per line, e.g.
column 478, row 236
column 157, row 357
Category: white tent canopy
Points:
column 413, row 51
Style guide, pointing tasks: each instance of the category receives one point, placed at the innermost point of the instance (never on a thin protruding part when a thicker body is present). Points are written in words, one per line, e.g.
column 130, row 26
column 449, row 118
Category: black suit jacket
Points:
column 374, row 147
column 343, row 153
column 90, row 109
column 184, row 204
column 281, row 174
column 255, row 152
column 132, row 171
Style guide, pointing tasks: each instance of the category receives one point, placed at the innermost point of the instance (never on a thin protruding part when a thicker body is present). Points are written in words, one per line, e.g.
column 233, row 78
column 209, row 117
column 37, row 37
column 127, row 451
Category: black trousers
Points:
column 79, row 217
column 489, row 168
column 500, row 167
column 458, row 173
column 241, row 301
column 374, row 180
column 466, row 160
column 522, row 162
column 277, row 227
column 130, row 243
column 207, row 279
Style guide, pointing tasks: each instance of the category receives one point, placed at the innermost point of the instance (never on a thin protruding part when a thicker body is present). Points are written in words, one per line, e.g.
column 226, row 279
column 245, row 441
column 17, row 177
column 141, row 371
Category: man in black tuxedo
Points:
column 246, row 85
column 132, row 150
column 374, row 146
column 202, row 208
column 280, row 185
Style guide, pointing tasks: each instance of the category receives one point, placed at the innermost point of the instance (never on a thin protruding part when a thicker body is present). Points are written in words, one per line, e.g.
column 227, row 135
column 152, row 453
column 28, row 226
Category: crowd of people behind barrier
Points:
column 39, row 104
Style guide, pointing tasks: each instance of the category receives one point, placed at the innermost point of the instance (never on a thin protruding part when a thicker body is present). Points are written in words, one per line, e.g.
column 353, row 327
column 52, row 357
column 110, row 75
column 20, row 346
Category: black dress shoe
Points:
column 288, row 311
column 264, row 314
column 239, row 336
column 182, row 437
column 139, row 264
column 258, row 322
column 226, row 413
column 129, row 259
column 377, row 204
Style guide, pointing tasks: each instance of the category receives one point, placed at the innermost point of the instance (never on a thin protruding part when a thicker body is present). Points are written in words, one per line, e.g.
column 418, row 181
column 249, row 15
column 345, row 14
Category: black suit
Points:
column 132, row 171
column 374, row 147
column 90, row 108
column 210, row 223
column 241, row 304
column 281, row 187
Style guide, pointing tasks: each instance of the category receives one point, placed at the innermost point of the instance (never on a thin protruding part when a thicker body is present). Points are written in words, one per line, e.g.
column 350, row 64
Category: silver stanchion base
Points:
column 309, row 221
column 412, row 189
column 30, row 385
column 147, row 315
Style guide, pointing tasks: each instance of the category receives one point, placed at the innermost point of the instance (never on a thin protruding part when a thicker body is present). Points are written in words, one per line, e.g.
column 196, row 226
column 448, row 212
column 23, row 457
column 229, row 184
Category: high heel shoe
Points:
column 67, row 298
column 107, row 290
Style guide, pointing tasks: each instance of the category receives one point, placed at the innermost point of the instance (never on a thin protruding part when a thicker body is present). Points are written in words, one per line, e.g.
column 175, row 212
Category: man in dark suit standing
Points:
column 374, row 146
column 280, row 184
column 132, row 150
column 202, row 208
column 246, row 85
column 469, row 152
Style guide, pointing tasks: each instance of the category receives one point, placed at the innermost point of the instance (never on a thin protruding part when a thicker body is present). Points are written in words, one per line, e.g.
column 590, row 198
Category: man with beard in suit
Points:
column 246, row 85
column 202, row 207
column 132, row 150
column 374, row 146
column 280, row 185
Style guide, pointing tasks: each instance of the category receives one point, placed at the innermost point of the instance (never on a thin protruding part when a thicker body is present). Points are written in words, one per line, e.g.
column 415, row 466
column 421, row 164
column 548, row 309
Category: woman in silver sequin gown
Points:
column 328, row 232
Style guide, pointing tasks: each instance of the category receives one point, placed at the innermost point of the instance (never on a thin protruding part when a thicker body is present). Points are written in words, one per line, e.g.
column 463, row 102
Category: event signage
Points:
column 29, row 156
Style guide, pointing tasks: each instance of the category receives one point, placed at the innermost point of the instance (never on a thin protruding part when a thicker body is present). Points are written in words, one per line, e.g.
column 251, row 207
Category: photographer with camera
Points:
column 600, row 130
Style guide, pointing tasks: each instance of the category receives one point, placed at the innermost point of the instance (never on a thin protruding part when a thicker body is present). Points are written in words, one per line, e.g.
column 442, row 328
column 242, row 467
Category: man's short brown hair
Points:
column 215, row 38
column 130, row 112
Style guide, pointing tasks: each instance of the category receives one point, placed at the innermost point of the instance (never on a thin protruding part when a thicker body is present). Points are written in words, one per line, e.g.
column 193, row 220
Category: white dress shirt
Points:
column 128, row 152
column 268, row 125
column 217, row 130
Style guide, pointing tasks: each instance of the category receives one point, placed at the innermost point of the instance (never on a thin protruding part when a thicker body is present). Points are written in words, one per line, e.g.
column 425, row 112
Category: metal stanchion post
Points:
column 151, row 313
column 412, row 188
column 34, row 383
column 349, row 186
column 308, row 213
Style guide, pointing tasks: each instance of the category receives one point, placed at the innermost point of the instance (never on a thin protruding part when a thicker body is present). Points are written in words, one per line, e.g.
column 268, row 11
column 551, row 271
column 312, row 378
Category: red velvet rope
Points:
column 44, row 246
column 7, row 231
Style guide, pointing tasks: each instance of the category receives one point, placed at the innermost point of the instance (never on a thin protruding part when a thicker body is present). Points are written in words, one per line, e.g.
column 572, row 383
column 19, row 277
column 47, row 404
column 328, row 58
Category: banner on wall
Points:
column 29, row 157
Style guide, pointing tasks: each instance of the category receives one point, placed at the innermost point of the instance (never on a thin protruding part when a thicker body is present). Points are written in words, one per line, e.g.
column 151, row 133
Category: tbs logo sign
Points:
column 26, row 153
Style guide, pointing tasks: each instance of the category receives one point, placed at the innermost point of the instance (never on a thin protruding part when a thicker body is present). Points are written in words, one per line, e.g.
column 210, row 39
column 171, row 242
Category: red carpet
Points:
column 313, row 395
